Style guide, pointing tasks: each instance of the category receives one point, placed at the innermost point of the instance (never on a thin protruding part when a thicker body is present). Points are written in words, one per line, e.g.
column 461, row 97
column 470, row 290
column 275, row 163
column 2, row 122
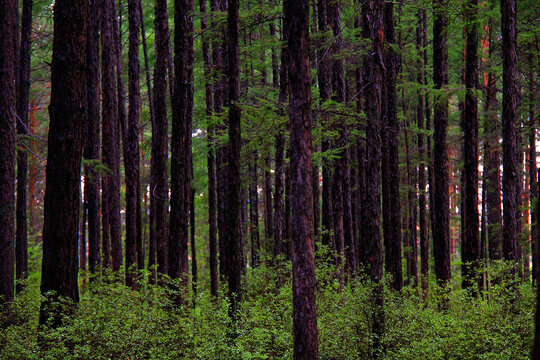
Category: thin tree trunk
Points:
column 533, row 190
column 62, row 195
column 304, row 309
column 131, row 147
column 254, row 210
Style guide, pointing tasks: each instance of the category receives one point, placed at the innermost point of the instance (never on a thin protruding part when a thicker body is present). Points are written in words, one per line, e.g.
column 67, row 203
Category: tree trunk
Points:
column 160, row 190
column 441, row 205
column 254, row 211
column 91, row 140
column 23, row 90
column 131, row 147
column 470, row 246
column 533, row 190
column 509, row 118
column 62, row 195
column 8, row 35
column 304, row 309
column 181, row 142
column 233, row 247
column 390, row 158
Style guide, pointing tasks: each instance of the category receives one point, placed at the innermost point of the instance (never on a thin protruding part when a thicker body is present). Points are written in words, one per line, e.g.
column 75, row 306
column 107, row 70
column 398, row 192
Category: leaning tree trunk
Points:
column 64, row 149
column 304, row 309
column 8, row 28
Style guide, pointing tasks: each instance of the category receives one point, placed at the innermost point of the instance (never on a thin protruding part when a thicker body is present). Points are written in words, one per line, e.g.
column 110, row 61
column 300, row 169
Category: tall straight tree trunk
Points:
column 91, row 139
column 233, row 247
column 424, row 240
column 390, row 158
column 112, row 245
column 509, row 119
column 533, row 178
column 268, row 213
column 470, row 246
column 372, row 16
column 325, row 90
column 131, row 146
column 211, row 158
column 441, row 205
column 182, row 107
column 159, row 192
column 23, row 90
column 492, row 161
column 304, row 309
column 8, row 37
column 64, row 149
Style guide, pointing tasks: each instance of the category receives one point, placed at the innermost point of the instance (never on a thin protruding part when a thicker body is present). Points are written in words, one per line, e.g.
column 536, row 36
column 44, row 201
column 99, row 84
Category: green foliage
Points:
column 114, row 322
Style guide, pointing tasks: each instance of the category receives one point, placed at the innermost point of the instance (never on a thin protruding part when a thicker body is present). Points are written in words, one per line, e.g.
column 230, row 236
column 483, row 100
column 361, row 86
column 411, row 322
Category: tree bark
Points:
column 182, row 107
column 254, row 211
column 390, row 157
column 160, row 190
column 304, row 309
column 470, row 246
column 509, row 118
column 62, row 195
column 441, row 230
column 8, row 35
column 131, row 147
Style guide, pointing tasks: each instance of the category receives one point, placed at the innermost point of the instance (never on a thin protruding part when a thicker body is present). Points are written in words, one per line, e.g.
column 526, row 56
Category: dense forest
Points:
column 226, row 179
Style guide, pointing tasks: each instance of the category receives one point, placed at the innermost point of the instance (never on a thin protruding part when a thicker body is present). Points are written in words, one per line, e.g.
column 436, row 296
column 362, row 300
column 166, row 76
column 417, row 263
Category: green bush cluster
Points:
column 114, row 322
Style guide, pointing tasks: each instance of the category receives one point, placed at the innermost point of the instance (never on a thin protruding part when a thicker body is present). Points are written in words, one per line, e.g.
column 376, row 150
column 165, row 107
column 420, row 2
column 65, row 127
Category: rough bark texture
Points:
column 182, row 108
column 233, row 247
column 8, row 28
column 441, row 216
column 91, row 139
column 211, row 157
column 509, row 118
column 23, row 90
column 160, row 191
column 470, row 246
column 111, row 142
column 390, row 158
column 304, row 308
column 131, row 147
column 62, row 195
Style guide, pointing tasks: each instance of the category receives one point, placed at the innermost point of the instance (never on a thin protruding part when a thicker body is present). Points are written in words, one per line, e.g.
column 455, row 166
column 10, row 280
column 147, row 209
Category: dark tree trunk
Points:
column 211, row 158
column 509, row 118
column 254, row 211
column 91, row 139
column 424, row 240
column 160, row 190
column 441, row 205
column 23, row 89
column 325, row 90
column 390, row 158
column 182, row 108
column 62, row 195
column 492, row 162
column 268, row 213
column 233, row 247
column 470, row 246
column 533, row 190
column 131, row 147
column 304, row 309
column 8, row 36
column 536, row 346
column 112, row 242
